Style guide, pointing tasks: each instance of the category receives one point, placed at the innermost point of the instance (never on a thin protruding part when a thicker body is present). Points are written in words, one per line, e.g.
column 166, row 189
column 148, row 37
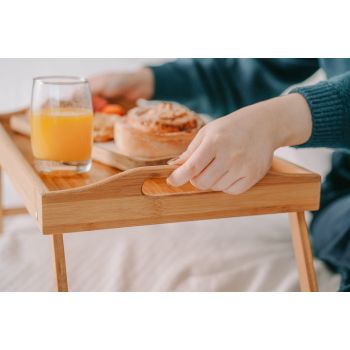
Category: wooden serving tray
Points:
column 107, row 197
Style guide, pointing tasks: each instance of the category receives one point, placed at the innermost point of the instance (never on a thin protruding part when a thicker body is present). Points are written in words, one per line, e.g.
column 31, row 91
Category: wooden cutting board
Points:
column 104, row 152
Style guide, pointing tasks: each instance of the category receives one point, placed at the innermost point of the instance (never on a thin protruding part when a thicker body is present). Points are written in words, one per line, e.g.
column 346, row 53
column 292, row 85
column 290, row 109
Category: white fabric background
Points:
column 240, row 254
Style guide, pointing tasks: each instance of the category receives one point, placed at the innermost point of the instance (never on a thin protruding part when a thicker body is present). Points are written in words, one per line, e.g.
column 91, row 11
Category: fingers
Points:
column 190, row 149
column 240, row 186
column 232, row 183
column 194, row 165
column 210, row 175
column 194, row 144
column 226, row 181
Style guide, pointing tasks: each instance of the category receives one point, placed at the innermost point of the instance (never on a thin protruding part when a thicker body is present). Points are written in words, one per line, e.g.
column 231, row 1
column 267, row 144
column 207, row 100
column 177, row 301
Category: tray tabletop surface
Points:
column 98, row 171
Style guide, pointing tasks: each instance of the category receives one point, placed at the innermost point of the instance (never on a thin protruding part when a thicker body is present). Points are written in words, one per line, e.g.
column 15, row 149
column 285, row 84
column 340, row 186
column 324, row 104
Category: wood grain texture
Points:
column 16, row 160
column 303, row 252
column 84, row 211
column 121, row 200
column 99, row 172
column 107, row 198
column 5, row 118
column 59, row 262
column 51, row 182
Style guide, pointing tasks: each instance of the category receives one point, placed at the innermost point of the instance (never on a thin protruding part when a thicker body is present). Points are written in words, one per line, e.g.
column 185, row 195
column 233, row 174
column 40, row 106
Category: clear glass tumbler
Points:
column 61, row 124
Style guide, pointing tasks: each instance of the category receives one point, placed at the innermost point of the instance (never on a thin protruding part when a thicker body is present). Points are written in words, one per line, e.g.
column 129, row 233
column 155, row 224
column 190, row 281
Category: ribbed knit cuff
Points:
column 327, row 109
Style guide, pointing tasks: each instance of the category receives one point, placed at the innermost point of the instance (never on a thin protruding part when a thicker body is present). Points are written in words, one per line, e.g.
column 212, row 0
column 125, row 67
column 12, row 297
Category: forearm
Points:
column 289, row 118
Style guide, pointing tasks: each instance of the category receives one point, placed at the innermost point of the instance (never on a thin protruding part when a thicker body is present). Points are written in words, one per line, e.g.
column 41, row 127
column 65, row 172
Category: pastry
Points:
column 104, row 127
column 105, row 117
column 162, row 130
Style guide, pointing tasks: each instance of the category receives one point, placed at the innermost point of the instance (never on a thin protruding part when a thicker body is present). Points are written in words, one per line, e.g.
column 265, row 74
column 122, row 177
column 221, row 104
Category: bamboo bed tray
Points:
column 108, row 198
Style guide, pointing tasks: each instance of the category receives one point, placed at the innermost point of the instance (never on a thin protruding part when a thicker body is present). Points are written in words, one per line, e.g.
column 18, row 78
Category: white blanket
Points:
column 241, row 254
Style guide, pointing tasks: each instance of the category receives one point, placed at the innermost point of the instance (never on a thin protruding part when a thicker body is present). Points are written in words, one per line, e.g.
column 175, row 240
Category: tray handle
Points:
column 148, row 181
column 156, row 186
column 151, row 182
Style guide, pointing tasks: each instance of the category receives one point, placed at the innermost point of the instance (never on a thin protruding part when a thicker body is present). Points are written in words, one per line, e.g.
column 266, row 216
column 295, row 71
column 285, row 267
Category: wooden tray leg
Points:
column 59, row 261
column 303, row 252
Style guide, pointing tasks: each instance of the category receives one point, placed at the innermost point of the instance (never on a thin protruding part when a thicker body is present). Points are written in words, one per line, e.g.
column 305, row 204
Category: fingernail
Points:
column 173, row 160
column 170, row 181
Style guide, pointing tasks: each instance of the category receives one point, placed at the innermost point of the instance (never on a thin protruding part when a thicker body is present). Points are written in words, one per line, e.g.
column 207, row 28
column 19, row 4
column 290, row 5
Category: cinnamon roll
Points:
column 162, row 130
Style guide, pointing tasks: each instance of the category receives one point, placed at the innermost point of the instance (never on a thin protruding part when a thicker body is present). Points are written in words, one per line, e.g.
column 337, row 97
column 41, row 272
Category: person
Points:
column 234, row 152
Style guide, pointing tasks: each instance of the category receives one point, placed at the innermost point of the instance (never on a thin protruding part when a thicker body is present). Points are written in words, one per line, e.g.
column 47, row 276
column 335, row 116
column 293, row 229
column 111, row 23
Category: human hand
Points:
column 124, row 86
column 233, row 153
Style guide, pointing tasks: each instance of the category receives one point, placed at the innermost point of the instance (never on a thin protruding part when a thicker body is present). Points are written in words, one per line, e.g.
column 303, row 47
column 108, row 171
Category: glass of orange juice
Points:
column 61, row 124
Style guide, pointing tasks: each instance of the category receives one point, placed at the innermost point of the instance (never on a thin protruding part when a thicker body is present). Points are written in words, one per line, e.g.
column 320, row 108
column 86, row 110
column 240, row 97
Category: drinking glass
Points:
column 61, row 124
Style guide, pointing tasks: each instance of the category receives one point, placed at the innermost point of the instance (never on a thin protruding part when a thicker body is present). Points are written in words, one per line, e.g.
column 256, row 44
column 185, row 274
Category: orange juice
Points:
column 62, row 135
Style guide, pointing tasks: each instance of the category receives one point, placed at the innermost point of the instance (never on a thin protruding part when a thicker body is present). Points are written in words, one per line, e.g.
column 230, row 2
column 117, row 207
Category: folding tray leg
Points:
column 59, row 261
column 303, row 252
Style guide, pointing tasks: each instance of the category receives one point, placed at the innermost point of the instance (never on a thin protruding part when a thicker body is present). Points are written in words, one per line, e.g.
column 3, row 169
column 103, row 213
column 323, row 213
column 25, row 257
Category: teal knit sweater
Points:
column 220, row 86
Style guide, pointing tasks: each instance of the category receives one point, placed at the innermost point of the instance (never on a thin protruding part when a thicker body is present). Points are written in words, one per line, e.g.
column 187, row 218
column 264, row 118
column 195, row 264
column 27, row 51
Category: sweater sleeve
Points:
column 329, row 102
column 220, row 86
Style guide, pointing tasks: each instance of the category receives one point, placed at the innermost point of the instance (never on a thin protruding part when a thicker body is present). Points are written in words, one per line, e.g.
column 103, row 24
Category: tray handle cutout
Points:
column 281, row 171
column 156, row 185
